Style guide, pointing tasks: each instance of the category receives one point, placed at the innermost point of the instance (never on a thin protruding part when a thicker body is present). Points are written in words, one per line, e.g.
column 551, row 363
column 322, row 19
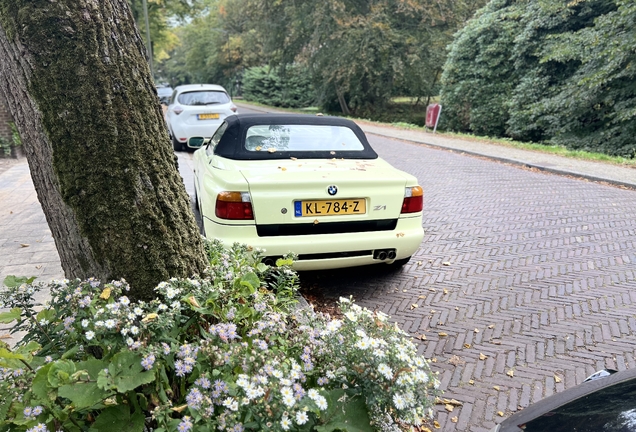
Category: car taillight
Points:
column 413, row 200
column 234, row 205
column 177, row 110
column 233, row 108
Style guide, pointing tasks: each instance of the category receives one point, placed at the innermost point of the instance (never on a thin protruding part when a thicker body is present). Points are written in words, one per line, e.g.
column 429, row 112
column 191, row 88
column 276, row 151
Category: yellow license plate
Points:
column 330, row 207
column 207, row 116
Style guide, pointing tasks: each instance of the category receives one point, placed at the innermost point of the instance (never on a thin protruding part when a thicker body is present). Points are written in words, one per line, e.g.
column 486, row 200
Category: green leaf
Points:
column 262, row 267
column 12, row 315
column 71, row 352
column 251, row 281
column 46, row 314
column 12, row 281
column 118, row 418
column 83, row 394
column 40, row 386
column 284, row 262
column 60, row 372
column 127, row 372
column 350, row 416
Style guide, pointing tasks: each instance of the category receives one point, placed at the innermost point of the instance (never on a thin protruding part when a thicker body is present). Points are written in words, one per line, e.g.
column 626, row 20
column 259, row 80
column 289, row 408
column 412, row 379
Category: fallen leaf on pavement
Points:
column 442, row 334
column 471, row 382
column 449, row 407
column 446, row 263
column 413, row 306
column 491, row 326
column 5, row 336
column 510, row 373
column 436, row 424
column 466, row 345
column 496, row 387
column 482, row 356
column 557, row 379
column 25, row 244
column 476, row 330
column 455, row 360
column 500, row 413
column 454, row 419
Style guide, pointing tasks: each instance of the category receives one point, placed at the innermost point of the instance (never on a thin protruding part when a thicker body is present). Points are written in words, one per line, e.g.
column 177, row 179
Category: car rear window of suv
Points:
column 300, row 138
column 203, row 97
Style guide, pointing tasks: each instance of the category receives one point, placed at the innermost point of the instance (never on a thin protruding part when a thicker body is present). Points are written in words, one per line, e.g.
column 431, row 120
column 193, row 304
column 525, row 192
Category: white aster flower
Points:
column 301, row 417
column 111, row 323
column 398, row 401
column 138, row 311
column 321, row 402
column 84, row 323
column 352, row 316
column 289, row 401
column 89, row 335
column 386, row 371
column 285, row 423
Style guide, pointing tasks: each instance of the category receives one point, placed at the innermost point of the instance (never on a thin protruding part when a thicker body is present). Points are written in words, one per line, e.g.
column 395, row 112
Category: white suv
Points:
column 196, row 110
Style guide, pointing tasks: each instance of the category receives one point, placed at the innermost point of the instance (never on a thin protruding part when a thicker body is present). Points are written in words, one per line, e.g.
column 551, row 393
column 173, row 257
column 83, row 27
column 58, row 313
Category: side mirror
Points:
column 197, row 142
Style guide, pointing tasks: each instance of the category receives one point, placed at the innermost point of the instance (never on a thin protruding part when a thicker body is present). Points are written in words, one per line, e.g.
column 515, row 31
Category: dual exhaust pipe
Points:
column 384, row 254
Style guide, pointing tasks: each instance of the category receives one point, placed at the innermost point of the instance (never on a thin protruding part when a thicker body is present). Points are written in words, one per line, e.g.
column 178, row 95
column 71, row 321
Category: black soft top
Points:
column 231, row 145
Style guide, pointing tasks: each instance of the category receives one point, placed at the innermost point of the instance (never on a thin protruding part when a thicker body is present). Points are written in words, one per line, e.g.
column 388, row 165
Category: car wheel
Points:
column 176, row 144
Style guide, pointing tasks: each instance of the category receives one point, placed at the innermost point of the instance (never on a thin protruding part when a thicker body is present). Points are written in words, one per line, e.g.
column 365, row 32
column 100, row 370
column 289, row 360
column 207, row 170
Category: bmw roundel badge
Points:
column 332, row 190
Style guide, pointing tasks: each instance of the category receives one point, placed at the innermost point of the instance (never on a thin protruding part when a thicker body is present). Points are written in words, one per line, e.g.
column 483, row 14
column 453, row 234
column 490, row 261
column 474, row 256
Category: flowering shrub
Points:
column 228, row 351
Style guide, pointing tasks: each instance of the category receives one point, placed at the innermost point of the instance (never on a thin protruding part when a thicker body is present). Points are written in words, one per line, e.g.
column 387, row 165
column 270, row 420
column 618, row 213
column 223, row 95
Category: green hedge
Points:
column 290, row 88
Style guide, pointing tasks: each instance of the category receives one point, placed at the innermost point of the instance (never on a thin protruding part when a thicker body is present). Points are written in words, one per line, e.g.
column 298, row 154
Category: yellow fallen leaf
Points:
column 179, row 408
column 5, row 336
column 557, row 379
column 105, row 294
column 454, row 419
column 421, row 297
column 419, row 263
column 482, row 356
column 425, row 429
column 271, row 150
column 496, row 387
column 440, row 323
column 476, row 330
column 466, row 345
column 25, row 244
column 434, row 360
column 436, row 424
column 456, row 308
column 259, row 148
column 149, row 317
column 193, row 301
column 500, row 413
column 445, row 291
column 510, row 373
column 471, row 382
column 414, row 305
column 433, row 311
column 446, row 263
column 449, row 407
column 442, row 334
column 423, row 337
column 491, row 326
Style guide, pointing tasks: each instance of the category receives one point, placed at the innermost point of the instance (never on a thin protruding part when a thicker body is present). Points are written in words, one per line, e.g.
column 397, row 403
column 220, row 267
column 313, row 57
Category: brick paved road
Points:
column 541, row 280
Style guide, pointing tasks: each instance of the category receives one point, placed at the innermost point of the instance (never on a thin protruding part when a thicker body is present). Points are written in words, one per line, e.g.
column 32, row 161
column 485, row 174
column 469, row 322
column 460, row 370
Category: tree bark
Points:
column 77, row 81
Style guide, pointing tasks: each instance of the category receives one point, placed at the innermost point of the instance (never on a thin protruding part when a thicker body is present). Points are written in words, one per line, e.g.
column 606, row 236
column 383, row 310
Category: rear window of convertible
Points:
column 301, row 138
column 203, row 97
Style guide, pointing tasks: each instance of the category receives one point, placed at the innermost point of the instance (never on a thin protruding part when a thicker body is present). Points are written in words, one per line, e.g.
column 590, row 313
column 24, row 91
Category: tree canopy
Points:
column 548, row 71
column 357, row 54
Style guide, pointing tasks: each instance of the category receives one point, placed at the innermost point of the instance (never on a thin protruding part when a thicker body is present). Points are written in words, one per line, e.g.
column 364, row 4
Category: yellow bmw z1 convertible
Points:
column 310, row 185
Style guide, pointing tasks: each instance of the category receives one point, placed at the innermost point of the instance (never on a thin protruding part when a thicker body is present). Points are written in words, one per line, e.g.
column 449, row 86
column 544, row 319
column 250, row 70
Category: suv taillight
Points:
column 234, row 205
column 413, row 200
column 177, row 110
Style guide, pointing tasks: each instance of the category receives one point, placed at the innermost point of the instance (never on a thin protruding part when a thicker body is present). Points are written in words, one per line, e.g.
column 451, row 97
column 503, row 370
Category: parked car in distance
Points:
column 196, row 110
column 309, row 185
column 605, row 402
column 164, row 93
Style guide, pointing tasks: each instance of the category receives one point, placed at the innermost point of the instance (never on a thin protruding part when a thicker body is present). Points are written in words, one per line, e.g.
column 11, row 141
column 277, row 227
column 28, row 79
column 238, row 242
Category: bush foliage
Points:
column 228, row 351
column 537, row 70
column 290, row 88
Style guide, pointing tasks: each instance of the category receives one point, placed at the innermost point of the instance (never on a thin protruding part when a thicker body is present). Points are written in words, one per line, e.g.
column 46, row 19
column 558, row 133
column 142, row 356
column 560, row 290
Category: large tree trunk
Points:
column 79, row 87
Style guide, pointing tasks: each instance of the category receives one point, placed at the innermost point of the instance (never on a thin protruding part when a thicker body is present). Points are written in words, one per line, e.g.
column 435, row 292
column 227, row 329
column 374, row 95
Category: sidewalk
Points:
column 595, row 171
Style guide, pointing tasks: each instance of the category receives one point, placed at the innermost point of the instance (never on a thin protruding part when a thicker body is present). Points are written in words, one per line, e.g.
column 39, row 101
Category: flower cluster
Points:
column 228, row 351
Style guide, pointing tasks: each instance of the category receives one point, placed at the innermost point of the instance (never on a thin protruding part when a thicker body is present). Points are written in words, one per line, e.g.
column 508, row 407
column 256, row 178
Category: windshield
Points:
column 273, row 138
column 203, row 97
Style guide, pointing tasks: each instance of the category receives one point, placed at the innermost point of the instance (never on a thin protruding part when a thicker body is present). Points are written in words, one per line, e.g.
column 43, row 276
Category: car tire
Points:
column 176, row 145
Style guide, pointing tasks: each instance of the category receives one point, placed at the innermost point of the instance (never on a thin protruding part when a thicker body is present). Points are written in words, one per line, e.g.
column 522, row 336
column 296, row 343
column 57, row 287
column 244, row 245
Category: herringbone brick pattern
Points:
column 520, row 273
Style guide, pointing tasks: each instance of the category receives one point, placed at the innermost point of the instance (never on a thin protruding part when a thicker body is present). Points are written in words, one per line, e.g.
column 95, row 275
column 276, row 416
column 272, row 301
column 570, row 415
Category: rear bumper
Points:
column 405, row 239
column 183, row 131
